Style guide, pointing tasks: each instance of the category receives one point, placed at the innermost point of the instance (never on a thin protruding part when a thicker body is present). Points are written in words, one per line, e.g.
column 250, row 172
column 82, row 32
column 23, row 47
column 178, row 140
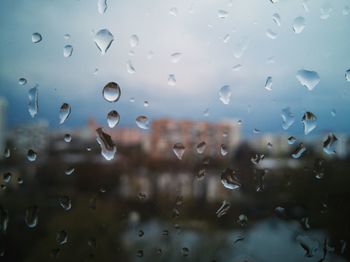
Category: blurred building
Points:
column 3, row 105
column 166, row 132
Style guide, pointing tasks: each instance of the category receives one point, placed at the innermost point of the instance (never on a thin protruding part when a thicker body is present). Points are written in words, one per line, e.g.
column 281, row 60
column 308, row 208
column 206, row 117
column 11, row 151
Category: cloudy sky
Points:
column 210, row 46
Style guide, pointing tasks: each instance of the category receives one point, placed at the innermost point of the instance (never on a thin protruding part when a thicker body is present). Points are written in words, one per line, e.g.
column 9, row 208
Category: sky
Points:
column 198, row 33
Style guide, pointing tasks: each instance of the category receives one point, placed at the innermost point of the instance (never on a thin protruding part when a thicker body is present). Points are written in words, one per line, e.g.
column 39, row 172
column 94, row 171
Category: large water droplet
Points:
column 31, row 155
column 61, row 237
column 225, row 206
column 134, row 40
column 309, row 121
column 108, row 148
column 287, row 118
column 179, row 150
column 307, row 78
column 347, row 75
column 103, row 40
column 268, row 83
column 64, row 112
column 22, row 81
column 175, row 57
column 36, row 38
column 111, row 92
column 143, row 122
column 271, row 34
column 130, row 68
column 225, row 94
column 67, row 51
column 222, row 14
column 229, row 180
column 31, row 216
column 102, row 6
column 201, row 147
column 299, row 151
column 171, row 80
column 277, row 19
column 329, row 144
column 65, row 202
column 298, row 24
column 113, row 118
column 4, row 219
column 33, row 106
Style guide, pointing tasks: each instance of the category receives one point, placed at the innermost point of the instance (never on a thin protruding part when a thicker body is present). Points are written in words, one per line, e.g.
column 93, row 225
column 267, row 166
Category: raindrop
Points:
column 7, row 152
column 36, row 38
column 201, row 147
column 299, row 151
column 240, row 48
column 33, row 101
column 242, row 220
column 67, row 138
column 326, row 10
column 179, row 150
column 22, row 81
column 145, row 104
column 225, row 94
column 102, row 6
column 319, row 168
column 287, row 118
column 237, row 67
column 108, row 148
column 19, row 180
column 65, row 202
column 310, row 246
column 256, row 131
column 307, row 78
column 201, row 173
column 309, row 121
column 206, row 112
column 113, row 118
column 132, row 100
column 171, row 80
column 185, row 251
column 222, row 14
column 347, row 75
column 4, row 219
column 268, row 83
column 64, row 112
column 257, row 158
column 346, row 10
column 226, row 38
column 223, row 150
column 229, row 180
column 111, row 92
column 225, row 206
column 173, row 11
column 134, row 40
column 271, row 34
column 333, row 112
column 175, row 57
column 66, row 36
column 291, row 140
column 150, row 55
column 141, row 233
column 103, row 40
column 31, row 155
column 31, row 216
column 139, row 253
column 143, row 122
column 277, row 19
column 6, row 177
column 69, row 171
column 298, row 24
column 329, row 144
column 130, row 68
column 270, row 60
column 67, row 51
column 274, row 1
column 61, row 237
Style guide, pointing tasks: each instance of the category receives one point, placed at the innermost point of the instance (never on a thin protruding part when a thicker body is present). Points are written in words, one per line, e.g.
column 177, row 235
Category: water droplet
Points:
column 141, row 233
column 329, row 144
column 346, row 10
column 310, row 246
column 64, row 112
column 171, row 80
column 103, row 40
column 113, row 118
column 307, row 78
column 206, row 112
column 237, row 67
column 130, row 68
column 225, row 94
column 201, row 173
column 173, row 11
column 257, row 158
column 291, row 140
column 31, row 216
column 69, row 171
column 33, row 106
column 268, row 83
column 299, row 151
column 274, row 1
column 145, row 104
column 108, row 148
column 22, row 81
column 229, row 179
column 6, row 177
column 67, row 138
column 31, row 155
column 309, row 121
column 185, row 251
column 36, row 38
column 347, row 75
column 222, row 14
column 7, row 152
column 61, row 237
column 256, row 131
column 4, row 219
column 333, row 112
column 271, row 34
column 139, row 253
column 67, row 51
column 150, row 55
column 65, row 202
column 134, row 40
column 201, row 147
column 287, row 118
column 111, row 92
column 242, row 220
column 66, row 36
column 142, row 196
column 240, row 48
column 298, row 24
column 19, row 180
column 179, row 150
column 223, row 150
column 175, row 57
column 102, row 6
column 326, row 11
column 143, row 122
column 277, row 19
column 225, row 206
column 132, row 100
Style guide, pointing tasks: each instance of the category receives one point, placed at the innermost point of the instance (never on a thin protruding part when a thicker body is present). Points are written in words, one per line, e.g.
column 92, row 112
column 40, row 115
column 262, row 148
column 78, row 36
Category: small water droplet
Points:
column 329, row 144
column 36, row 38
column 67, row 51
column 134, row 40
column 31, row 216
column 274, row 1
column 299, row 151
column 298, row 24
column 268, row 83
column 65, row 111
column 111, row 92
column 150, row 55
column 7, row 152
column 291, row 140
column 67, row 138
column 346, row 10
column 226, row 38
column 225, row 206
column 257, row 158
column 103, row 40
column 130, row 68
column 277, row 19
column 256, row 131
column 229, row 179
column 175, row 57
column 347, row 75
column 271, row 34
column 173, row 11
column 33, row 106
column 201, row 147
column 222, row 14
column 61, row 237
column 333, row 112
column 139, row 253
column 307, row 78
column 145, row 104
column 201, row 173
column 22, row 81
column 141, row 233
column 185, row 251
column 206, row 112
column 237, row 67
column 225, row 94
column 242, row 220
column 223, row 150
column 179, row 150
column 4, row 220
column 326, row 11
column 108, row 148
column 287, row 118
column 69, row 171
column 143, row 122
column 31, row 155
column 65, row 202
column 113, row 118
column 102, row 6
column 6, row 177
column 66, row 36
column 309, row 121
column 171, row 80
